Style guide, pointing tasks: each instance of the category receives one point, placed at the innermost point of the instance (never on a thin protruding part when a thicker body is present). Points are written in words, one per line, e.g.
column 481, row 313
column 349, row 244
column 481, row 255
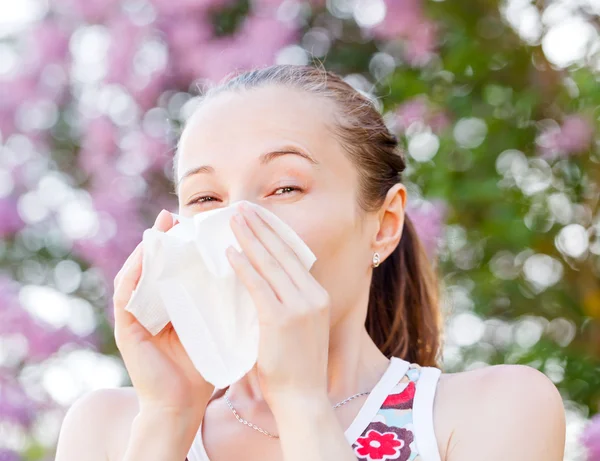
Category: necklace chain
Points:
column 267, row 433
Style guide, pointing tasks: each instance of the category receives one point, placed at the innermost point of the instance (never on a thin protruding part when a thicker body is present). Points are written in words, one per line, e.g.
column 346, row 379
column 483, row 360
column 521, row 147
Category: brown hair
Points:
column 403, row 316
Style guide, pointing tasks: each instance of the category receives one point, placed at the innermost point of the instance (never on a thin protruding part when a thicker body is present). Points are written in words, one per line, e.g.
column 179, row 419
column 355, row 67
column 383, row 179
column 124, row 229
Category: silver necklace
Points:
column 267, row 433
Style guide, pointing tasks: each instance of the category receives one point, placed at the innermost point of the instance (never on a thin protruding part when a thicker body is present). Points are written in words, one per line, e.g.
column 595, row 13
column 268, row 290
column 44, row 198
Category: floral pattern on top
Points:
column 390, row 436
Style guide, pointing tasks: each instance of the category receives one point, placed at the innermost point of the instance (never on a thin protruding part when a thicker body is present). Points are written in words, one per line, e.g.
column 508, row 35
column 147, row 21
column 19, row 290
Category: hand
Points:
column 293, row 312
column 160, row 369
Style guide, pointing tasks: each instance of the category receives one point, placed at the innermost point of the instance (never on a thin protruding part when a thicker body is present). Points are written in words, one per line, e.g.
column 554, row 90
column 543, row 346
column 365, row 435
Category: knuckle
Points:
column 119, row 341
column 257, row 284
column 118, row 338
column 285, row 320
column 271, row 263
column 298, row 310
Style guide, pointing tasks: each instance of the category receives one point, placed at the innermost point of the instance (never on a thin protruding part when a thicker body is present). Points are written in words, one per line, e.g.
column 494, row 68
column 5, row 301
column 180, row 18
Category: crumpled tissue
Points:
column 187, row 280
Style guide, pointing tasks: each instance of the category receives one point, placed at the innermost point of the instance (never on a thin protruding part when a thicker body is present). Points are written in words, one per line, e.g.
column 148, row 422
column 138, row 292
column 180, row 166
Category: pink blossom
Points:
column 125, row 40
column 439, row 121
column 9, row 455
column 401, row 19
column 221, row 56
column 413, row 110
column 157, row 151
column 254, row 45
column 211, row 60
column 187, row 32
column 574, row 136
column 577, row 134
column 8, row 293
column 418, row 109
column 27, row 87
column 10, row 222
column 43, row 340
column 146, row 91
column 261, row 37
column 98, row 144
column 405, row 20
column 7, row 124
column 93, row 11
column 266, row 5
column 120, row 228
column 187, row 38
column 196, row 53
column 48, row 44
column 187, row 7
column 591, row 438
column 428, row 219
column 15, row 91
column 421, row 44
column 16, row 406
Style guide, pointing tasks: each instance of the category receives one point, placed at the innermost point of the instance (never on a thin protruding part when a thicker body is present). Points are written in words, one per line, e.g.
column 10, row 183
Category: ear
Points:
column 391, row 221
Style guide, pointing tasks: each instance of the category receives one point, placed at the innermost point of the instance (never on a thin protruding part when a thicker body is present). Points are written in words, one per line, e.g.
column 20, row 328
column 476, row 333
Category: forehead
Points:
column 257, row 119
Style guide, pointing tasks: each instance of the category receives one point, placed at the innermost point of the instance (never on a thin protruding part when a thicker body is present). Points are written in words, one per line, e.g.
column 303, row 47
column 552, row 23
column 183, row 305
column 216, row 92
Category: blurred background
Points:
column 497, row 104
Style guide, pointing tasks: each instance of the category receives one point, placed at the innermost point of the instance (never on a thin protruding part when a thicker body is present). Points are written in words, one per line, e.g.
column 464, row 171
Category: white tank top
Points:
column 394, row 423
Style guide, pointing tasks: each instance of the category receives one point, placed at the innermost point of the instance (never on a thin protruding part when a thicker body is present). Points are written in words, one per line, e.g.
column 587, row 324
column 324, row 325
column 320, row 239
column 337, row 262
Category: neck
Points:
column 355, row 364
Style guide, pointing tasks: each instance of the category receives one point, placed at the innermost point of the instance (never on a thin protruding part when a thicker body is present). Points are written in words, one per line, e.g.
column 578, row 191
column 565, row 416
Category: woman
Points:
column 360, row 330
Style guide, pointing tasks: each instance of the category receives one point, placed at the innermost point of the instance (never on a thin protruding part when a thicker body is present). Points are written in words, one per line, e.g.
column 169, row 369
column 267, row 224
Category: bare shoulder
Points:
column 499, row 412
column 97, row 425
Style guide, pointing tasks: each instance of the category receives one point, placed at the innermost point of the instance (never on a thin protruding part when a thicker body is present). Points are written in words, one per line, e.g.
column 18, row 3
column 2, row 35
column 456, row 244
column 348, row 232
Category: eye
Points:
column 289, row 188
column 208, row 198
column 202, row 199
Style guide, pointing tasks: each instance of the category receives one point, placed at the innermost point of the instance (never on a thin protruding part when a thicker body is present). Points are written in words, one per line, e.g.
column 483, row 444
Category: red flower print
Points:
column 379, row 446
column 382, row 442
column 403, row 400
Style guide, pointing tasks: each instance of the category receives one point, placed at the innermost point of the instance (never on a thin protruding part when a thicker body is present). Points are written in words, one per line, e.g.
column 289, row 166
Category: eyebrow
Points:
column 263, row 160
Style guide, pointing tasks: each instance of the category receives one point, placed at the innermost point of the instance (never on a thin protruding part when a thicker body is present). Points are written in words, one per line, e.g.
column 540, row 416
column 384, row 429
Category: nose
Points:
column 235, row 201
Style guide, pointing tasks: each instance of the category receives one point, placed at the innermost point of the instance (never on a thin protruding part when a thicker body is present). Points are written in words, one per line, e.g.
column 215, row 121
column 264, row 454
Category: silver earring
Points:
column 376, row 260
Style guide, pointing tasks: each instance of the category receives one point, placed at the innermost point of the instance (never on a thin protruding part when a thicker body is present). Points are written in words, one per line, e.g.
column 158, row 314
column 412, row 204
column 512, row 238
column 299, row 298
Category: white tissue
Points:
column 187, row 280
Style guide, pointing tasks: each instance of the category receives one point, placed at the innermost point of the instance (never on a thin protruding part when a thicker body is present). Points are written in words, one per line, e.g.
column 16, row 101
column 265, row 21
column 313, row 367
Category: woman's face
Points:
column 243, row 142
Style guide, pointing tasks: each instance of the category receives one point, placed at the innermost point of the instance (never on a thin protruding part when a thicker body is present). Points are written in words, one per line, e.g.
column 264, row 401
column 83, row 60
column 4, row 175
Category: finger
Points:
column 262, row 294
column 117, row 278
column 164, row 221
column 279, row 249
column 128, row 277
column 124, row 319
column 264, row 263
column 132, row 271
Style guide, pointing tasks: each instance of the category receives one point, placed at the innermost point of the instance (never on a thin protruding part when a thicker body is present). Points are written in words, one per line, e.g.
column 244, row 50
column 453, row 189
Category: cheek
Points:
column 327, row 230
column 338, row 246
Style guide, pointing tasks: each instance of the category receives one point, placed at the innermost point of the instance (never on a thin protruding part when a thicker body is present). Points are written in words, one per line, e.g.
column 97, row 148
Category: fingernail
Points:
column 247, row 209
column 162, row 212
column 232, row 252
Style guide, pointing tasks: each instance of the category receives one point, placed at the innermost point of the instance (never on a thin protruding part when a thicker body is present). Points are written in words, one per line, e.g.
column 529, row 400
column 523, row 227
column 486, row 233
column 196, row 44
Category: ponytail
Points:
column 403, row 316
